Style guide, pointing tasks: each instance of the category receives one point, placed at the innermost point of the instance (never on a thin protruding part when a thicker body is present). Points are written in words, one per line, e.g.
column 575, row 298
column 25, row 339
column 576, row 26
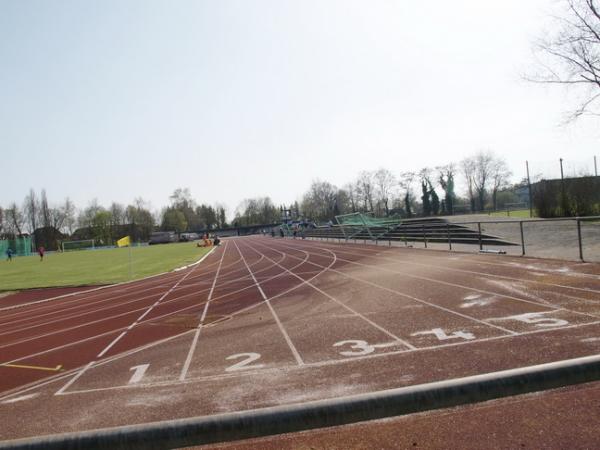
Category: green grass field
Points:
column 517, row 214
column 88, row 267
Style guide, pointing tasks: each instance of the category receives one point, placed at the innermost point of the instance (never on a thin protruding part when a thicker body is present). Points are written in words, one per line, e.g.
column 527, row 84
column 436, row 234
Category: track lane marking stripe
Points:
column 190, row 354
column 266, row 300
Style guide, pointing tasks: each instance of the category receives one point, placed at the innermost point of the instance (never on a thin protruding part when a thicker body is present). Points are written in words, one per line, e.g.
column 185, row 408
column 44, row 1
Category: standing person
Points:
column 9, row 253
column 41, row 253
column 281, row 232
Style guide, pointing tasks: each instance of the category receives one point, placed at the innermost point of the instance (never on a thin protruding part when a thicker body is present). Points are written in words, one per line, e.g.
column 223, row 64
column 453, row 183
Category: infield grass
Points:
column 517, row 214
column 93, row 267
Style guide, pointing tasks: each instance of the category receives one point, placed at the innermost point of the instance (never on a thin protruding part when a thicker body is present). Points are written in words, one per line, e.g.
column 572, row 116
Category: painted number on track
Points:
column 539, row 320
column 443, row 336
column 244, row 364
column 360, row 348
column 138, row 373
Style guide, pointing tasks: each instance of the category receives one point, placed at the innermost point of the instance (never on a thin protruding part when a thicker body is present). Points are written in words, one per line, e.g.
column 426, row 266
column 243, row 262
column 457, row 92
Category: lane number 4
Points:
column 443, row 336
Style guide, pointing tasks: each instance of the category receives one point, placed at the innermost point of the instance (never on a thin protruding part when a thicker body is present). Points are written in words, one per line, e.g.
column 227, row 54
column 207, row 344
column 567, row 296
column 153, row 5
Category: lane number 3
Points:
column 359, row 347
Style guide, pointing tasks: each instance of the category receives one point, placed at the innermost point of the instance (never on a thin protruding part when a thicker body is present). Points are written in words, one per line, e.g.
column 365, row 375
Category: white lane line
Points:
column 513, row 262
column 84, row 313
column 279, row 324
column 20, row 399
column 100, row 288
column 74, row 379
column 182, row 279
column 320, row 364
column 64, row 375
column 370, row 283
column 148, row 285
column 65, row 306
column 70, row 344
column 369, row 321
column 188, row 360
column 461, row 286
column 372, row 254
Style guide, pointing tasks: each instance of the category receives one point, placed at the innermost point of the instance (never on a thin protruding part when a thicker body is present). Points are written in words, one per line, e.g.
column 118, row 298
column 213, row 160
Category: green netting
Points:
column 78, row 245
column 20, row 246
column 360, row 219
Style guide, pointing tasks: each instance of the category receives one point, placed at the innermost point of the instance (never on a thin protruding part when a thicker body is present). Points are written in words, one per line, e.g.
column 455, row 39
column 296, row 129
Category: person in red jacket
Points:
column 41, row 253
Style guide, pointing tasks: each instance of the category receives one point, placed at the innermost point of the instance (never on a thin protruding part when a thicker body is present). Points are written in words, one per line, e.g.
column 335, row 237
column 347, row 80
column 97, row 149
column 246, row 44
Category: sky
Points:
column 112, row 100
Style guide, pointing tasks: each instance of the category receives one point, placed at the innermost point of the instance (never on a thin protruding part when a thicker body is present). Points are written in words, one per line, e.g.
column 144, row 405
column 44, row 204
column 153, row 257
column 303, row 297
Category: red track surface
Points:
column 266, row 321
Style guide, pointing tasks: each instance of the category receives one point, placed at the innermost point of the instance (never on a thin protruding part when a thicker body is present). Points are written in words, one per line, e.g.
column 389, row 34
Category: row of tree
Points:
column 184, row 214
column 50, row 223
column 382, row 193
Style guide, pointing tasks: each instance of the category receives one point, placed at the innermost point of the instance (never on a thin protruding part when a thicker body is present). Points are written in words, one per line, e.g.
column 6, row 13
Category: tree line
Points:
column 49, row 223
column 430, row 191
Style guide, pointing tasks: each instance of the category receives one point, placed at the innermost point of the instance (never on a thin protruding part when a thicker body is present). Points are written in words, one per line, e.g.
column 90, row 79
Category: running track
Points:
column 265, row 321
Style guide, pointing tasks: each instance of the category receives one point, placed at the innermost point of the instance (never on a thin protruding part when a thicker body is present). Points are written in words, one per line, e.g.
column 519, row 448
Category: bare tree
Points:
column 406, row 183
column 45, row 213
column 367, row 188
column 319, row 203
column 14, row 219
column 484, row 162
column 467, row 166
column 500, row 177
column 86, row 216
column 31, row 210
column 353, row 195
column 385, row 182
column 69, row 211
column 485, row 173
column 117, row 213
column 570, row 53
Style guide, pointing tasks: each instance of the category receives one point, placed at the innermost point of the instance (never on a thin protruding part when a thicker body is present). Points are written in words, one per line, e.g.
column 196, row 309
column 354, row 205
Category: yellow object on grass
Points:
column 124, row 242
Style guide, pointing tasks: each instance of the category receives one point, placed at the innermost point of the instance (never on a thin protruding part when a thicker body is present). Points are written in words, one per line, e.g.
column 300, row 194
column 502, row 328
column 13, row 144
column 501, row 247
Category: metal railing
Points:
column 571, row 238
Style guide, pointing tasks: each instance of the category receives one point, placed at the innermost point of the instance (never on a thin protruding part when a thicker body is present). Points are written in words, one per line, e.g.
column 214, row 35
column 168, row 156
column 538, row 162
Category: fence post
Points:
column 424, row 236
column 449, row 239
column 579, row 238
column 522, row 238
column 479, row 229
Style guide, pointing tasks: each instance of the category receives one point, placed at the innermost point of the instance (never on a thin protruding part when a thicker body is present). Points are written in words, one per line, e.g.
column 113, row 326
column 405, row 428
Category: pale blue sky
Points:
column 233, row 99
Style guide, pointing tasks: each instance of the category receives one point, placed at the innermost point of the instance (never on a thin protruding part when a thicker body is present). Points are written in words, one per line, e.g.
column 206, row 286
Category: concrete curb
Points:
column 324, row 413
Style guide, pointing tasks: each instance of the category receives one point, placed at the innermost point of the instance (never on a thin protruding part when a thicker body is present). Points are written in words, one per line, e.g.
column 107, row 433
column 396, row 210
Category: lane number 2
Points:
column 138, row 373
column 443, row 336
column 246, row 363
